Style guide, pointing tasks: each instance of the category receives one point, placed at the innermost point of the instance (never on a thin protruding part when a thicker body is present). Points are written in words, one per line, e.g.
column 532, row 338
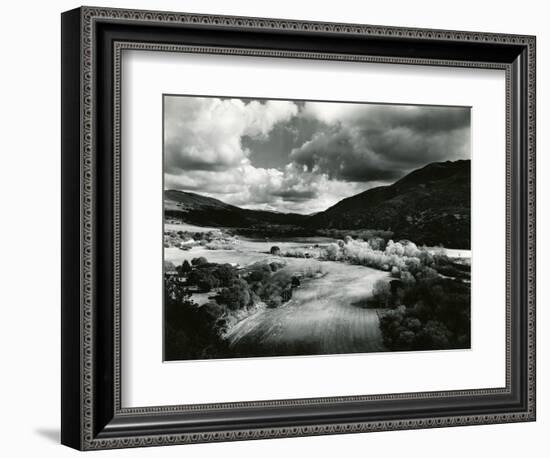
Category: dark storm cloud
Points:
column 381, row 142
column 336, row 154
column 426, row 119
column 273, row 150
column 302, row 157
column 294, row 195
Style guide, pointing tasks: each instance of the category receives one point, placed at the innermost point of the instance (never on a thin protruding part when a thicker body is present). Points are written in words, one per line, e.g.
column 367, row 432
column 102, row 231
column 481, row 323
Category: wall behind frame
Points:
column 30, row 253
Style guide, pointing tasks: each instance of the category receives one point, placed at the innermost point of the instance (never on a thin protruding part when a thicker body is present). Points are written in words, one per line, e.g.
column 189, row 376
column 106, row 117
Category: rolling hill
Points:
column 430, row 205
column 206, row 211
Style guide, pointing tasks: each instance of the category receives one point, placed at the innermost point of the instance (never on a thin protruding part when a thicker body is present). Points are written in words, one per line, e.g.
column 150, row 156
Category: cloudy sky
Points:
column 302, row 157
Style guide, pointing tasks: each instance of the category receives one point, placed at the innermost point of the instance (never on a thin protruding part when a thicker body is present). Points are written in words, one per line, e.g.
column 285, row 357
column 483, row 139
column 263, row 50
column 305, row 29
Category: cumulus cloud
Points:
column 202, row 133
column 302, row 156
column 344, row 155
column 381, row 142
column 291, row 190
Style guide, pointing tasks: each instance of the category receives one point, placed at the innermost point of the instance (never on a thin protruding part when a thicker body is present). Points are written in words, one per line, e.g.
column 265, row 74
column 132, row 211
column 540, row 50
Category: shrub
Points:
column 434, row 335
column 332, row 252
column 199, row 261
column 236, row 296
column 274, row 300
column 191, row 332
column 395, row 248
column 431, row 313
column 259, row 272
column 407, row 278
column 381, row 294
column 226, row 274
column 219, row 245
column 410, row 249
column 275, row 266
column 377, row 243
column 427, row 273
column 362, row 253
column 204, row 279
column 185, row 267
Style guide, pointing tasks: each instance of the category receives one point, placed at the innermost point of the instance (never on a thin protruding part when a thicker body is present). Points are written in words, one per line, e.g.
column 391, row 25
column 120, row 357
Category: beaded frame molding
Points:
column 93, row 40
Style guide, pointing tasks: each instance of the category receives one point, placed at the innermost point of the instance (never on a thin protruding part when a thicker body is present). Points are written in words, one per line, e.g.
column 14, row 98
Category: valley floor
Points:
column 320, row 318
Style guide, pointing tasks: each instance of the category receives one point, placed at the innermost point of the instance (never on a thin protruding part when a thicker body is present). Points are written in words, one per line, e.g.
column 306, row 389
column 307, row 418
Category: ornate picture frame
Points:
column 93, row 416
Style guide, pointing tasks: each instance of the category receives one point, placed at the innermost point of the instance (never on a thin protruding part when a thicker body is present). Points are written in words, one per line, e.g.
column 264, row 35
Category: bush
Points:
column 272, row 289
column 274, row 300
column 199, row 261
column 191, row 332
column 207, row 283
column 237, row 296
column 381, row 294
column 332, row 252
column 377, row 243
column 430, row 312
column 427, row 273
column 275, row 266
column 407, row 278
column 410, row 249
column 204, row 279
column 259, row 274
column 362, row 253
column 434, row 335
column 395, row 248
column 184, row 268
column 226, row 274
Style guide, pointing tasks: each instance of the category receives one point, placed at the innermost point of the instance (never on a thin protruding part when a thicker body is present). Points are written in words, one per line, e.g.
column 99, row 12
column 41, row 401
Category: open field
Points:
column 187, row 227
column 246, row 252
column 319, row 319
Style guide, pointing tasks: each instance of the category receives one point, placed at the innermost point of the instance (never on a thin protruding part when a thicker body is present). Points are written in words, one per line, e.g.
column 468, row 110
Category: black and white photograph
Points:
column 278, row 222
column 296, row 228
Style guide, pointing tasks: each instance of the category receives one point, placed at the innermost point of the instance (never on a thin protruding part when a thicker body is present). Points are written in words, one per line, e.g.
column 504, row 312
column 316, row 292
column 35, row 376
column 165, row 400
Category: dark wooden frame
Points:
column 92, row 42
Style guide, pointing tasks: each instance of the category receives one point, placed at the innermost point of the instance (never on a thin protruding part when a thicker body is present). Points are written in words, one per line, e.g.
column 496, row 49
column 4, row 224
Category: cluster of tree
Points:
column 449, row 268
column 395, row 257
column 363, row 234
column 375, row 252
column 191, row 332
column 426, row 311
column 236, row 291
column 272, row 286
column 208, row 276
column 272, row 230
column 195, row 332
column 215, row 239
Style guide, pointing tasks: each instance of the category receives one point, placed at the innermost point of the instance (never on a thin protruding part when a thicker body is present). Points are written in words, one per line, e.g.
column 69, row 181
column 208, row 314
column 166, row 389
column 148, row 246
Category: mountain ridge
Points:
column 430, row 205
